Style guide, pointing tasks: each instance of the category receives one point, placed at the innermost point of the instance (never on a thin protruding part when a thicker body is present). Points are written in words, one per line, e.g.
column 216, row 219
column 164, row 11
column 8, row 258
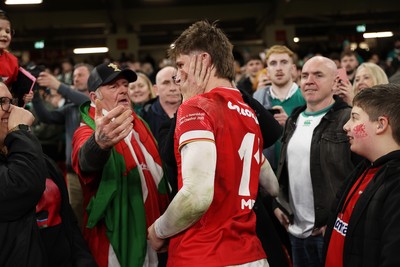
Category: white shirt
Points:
column 301, row 196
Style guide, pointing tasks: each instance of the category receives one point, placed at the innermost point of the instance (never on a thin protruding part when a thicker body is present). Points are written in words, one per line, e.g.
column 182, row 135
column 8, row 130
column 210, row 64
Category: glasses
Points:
column 6, row 102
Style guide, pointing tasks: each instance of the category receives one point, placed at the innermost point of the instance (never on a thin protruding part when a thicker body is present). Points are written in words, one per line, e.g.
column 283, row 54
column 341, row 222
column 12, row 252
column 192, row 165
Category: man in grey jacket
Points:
column 69, row 115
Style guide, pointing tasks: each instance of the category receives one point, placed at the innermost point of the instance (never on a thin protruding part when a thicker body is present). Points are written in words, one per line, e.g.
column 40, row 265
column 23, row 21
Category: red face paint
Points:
column 359, row 131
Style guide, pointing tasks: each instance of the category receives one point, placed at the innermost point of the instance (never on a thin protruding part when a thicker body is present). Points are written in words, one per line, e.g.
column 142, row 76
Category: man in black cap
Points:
column 116, row 158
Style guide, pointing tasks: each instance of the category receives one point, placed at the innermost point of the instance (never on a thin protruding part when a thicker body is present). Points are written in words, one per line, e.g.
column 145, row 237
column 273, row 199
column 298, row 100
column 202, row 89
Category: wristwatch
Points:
column 23, row 127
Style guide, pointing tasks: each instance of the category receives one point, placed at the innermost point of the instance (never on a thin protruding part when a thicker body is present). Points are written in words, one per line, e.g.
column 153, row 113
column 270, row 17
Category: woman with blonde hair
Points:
column 140, row 91
column 367, row 75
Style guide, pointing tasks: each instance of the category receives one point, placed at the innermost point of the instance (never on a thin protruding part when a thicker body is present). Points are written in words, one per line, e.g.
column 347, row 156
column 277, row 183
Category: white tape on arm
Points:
column 199, row 160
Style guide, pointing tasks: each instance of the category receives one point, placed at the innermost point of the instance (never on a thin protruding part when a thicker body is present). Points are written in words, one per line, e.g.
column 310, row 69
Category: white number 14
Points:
column 246, row 153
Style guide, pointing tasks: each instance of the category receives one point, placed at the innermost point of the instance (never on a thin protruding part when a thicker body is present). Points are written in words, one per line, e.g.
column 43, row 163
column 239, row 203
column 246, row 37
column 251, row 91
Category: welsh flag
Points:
column 129, row 199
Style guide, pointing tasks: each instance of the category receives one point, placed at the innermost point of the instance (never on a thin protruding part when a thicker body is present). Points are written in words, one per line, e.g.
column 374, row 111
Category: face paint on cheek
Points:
column 359, row 131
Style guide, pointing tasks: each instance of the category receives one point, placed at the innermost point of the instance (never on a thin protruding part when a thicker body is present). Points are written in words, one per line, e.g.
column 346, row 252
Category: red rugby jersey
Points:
column 225, row 234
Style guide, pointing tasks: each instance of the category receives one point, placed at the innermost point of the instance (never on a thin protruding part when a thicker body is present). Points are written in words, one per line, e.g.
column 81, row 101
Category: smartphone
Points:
column 341, row 72
column 273, row 111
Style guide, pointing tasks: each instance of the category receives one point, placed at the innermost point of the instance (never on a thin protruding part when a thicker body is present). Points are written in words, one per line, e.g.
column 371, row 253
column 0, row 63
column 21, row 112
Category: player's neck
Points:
column 217, row 82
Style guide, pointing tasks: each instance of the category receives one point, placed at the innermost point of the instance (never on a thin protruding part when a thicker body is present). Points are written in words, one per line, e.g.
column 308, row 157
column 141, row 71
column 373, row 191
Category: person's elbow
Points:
column 201, row 202
column 194, row 203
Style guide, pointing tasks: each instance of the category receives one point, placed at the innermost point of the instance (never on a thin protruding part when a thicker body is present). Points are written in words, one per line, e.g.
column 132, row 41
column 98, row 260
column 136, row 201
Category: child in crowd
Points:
column 8, row 62
column 365, row 228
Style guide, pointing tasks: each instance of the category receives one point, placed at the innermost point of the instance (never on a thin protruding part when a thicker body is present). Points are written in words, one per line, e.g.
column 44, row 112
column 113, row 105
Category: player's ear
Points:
column 206, row 58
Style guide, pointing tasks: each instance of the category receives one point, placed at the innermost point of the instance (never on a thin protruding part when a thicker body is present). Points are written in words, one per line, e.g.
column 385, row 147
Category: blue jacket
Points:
column 69, row 115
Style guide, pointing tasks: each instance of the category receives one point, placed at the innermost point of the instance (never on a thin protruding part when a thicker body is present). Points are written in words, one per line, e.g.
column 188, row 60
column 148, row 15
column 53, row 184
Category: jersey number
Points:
column 246, row 153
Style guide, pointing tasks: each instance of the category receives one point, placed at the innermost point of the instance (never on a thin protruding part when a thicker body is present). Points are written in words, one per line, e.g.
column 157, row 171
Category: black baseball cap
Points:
column 106, row 73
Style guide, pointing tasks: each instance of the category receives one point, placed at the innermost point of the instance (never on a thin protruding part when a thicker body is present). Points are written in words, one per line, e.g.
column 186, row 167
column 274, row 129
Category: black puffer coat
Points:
column 22, row 181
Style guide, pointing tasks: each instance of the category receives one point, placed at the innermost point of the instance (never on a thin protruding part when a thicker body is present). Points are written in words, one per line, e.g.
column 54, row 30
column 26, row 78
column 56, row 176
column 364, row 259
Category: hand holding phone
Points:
column 342, row 74
column 273, row 111
column 279, row 114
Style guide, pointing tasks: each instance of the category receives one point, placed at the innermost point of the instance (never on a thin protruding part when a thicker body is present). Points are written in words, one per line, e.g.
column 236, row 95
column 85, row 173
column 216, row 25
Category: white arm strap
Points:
column 199, row 161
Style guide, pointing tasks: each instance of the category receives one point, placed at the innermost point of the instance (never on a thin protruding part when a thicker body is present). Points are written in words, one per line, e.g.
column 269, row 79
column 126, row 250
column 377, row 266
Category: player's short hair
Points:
column 203, row 36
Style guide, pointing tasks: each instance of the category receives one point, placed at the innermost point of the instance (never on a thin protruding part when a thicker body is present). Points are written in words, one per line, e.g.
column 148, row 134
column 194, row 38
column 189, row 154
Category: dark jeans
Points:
column 307, row 252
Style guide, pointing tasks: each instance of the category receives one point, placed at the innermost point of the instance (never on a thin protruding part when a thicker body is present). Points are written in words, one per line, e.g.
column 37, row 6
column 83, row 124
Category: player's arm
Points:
column 268, row 180
column 194, row 198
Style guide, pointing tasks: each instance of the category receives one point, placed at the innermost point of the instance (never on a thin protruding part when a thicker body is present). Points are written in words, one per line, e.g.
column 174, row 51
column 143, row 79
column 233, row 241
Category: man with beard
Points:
column 349, row 61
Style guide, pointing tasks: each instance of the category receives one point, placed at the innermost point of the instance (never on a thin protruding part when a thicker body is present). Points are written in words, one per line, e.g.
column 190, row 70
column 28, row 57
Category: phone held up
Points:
column 273, row 111
column 341, row 72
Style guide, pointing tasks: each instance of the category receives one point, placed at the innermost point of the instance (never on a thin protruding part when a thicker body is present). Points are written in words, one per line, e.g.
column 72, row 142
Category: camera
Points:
column 26, row 81
column 35, row 70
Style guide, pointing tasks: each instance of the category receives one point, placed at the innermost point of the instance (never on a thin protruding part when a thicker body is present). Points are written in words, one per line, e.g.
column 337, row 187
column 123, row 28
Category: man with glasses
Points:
column 22, row 181
column 7, row 102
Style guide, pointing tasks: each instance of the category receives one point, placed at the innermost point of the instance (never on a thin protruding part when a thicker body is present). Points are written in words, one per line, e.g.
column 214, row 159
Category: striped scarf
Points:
column 129, row 200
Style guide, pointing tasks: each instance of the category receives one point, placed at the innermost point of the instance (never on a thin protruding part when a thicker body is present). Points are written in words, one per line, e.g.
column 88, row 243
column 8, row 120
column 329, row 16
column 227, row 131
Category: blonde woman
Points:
column 367, row 75
column 140, row 91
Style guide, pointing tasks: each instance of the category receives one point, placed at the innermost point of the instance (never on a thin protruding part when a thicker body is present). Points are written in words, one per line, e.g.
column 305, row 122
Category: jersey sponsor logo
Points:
column 247, row 204
column 191, row 117
column 242, row 111
column 340, row 227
